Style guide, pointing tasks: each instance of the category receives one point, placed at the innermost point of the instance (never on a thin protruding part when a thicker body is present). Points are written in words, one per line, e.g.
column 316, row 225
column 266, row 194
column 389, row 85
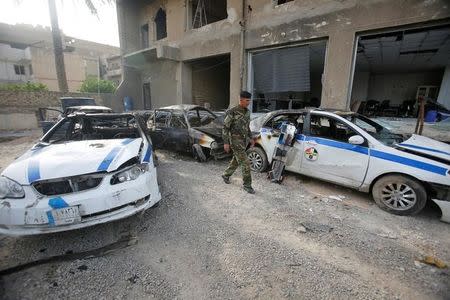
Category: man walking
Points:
column 236, row 132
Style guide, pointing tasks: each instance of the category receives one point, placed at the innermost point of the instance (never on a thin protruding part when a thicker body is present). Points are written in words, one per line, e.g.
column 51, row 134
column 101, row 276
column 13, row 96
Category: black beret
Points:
column 246, row 95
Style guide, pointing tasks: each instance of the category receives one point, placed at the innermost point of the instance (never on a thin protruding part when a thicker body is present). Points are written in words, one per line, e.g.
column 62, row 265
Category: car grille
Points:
column 67, row 185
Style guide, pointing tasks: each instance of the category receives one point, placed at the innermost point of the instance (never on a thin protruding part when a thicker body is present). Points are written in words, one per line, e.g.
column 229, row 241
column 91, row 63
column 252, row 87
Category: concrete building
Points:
column 26, row 54
column 287, row 53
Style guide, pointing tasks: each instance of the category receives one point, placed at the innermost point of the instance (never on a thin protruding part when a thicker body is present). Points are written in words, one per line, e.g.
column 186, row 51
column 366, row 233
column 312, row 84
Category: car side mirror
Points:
column 356, row 140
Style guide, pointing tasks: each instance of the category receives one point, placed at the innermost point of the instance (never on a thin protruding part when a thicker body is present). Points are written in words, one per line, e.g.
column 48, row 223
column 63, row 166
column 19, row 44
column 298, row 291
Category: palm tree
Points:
column 57, row 41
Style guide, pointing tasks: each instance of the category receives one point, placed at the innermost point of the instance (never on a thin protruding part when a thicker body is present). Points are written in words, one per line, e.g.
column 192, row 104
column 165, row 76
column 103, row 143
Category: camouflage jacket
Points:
column 236, row 125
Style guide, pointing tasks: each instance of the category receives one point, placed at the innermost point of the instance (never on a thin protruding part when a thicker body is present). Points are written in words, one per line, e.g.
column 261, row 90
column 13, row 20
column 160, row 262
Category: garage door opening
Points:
column 211, row 82
column 287, row 78
column 394, row 68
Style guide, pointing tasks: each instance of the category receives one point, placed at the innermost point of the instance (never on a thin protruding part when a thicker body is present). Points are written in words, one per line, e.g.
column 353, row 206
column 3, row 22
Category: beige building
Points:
column 26, row 54
column 287, row 53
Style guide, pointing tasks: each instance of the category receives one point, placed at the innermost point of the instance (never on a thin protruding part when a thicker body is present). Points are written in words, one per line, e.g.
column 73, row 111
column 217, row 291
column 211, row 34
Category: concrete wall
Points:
column 18, row 110
column 271, row 26
column 444, row 92
column 400, row 87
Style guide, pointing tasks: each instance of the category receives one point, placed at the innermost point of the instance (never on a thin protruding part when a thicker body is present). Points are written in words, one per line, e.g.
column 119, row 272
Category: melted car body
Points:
column 187, row 128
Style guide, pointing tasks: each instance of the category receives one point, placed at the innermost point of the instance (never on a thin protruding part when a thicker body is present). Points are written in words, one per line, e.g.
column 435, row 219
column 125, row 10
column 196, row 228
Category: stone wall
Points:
column 19, row 110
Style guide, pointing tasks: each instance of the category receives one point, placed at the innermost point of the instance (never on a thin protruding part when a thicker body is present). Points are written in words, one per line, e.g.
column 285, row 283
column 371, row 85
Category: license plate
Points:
column 66, row 215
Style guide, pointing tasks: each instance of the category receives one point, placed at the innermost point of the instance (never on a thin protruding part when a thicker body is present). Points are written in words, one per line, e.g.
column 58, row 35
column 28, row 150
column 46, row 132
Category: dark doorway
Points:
column 211, row 82
column 161, row 24
column 147, row 95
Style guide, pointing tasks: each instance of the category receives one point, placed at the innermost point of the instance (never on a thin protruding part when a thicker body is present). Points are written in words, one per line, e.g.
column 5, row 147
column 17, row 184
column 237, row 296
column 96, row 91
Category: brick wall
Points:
column 18, row 110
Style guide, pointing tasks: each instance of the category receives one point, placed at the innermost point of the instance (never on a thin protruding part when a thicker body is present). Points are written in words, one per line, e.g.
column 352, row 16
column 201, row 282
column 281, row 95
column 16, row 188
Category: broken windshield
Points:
column 376, row 130
column 93, row 127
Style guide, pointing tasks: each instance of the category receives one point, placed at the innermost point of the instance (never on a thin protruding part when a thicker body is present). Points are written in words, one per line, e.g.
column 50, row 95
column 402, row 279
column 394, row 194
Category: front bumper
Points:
column 105, row 203
column 441, row 196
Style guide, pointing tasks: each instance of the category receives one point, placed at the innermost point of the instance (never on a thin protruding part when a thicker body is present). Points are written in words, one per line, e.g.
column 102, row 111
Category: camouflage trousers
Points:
column 239, row 159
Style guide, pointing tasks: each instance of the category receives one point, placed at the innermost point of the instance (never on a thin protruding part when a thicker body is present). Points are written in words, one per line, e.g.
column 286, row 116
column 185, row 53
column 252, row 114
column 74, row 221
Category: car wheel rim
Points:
column 398, row 196
column 256, row 161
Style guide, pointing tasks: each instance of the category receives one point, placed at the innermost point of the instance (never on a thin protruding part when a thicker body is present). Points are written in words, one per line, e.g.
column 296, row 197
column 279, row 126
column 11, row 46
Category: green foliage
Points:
column 26, row 87
column 93, row 85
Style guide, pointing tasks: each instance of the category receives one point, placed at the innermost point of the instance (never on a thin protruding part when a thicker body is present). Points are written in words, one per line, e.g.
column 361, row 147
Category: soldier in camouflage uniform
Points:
column 236, row 133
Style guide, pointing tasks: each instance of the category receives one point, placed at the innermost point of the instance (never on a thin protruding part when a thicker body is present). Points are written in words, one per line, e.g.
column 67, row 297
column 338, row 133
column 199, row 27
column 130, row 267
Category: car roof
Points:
column 305, row 110
column 184, row 107
column 93, row 107
column 101, row 115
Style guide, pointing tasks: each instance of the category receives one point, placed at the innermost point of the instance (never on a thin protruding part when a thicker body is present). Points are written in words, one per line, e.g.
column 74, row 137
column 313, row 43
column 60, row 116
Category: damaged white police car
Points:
column 87, row 169
column 351, row 150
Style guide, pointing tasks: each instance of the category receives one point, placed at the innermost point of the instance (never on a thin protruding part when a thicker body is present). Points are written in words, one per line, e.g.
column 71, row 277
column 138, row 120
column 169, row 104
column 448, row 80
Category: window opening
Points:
column 279, row 2
column 161, row 24
column 161, row 118
column 330, row 128
column 19, row 69
column 205, row 12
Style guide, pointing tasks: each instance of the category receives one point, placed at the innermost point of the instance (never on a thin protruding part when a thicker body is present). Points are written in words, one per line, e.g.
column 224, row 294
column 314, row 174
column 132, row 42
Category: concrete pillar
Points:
column 338, row 70
column 184, row 83
column 235, row 73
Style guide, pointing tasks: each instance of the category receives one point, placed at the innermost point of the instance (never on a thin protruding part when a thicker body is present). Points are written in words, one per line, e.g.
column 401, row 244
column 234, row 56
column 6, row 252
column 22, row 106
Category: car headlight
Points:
column 10, row 189
column 129, row 174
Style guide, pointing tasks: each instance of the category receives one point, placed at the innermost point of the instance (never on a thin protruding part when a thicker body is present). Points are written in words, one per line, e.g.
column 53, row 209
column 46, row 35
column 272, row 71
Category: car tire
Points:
column 258, row 159
column 399, row 195
column 198, row 153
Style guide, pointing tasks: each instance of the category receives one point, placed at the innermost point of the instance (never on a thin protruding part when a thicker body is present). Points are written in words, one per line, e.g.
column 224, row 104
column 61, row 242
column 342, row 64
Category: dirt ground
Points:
column 303, row 239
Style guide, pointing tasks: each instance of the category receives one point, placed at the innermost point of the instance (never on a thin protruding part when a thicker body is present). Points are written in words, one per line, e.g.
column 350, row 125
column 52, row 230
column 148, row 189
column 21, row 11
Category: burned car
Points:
column 49, row 116
column 354, row 151
column 87, row 169
column 187, row 128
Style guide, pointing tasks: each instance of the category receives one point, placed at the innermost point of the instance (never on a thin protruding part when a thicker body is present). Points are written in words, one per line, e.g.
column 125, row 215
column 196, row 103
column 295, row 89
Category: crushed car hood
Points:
column 214, row 131
column 71, row 159
column 424, row 145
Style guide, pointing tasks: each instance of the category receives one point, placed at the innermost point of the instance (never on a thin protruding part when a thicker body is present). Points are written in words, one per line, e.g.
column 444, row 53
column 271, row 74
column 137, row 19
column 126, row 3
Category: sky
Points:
column 75, row 19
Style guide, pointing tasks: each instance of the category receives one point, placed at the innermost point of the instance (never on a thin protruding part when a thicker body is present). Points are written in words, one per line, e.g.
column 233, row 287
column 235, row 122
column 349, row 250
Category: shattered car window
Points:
column 330, row 128
column 295, row 119
column 177, row 121
column 161, row 118
column 93, row 127
column 200, row 117
column 376, row 130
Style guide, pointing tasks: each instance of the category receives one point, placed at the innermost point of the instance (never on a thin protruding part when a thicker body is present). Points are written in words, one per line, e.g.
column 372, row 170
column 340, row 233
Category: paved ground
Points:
column 211, row 240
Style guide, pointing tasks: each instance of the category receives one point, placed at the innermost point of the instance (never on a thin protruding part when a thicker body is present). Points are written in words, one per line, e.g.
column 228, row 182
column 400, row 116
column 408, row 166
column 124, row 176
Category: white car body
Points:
column 77, row 162
column 359, row 166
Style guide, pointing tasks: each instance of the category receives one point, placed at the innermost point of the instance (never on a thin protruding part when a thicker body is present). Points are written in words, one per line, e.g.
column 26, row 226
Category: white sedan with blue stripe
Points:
column 351, row 150
column 88, row 169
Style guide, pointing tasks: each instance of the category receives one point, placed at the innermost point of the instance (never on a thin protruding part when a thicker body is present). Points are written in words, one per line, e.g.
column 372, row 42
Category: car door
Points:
column 328, row 155
column 157, row 126
column 270, row 134
column 177, row 133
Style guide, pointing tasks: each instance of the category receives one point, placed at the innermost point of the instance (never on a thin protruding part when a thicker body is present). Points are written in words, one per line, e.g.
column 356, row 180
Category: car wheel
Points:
column 399, row 195
column 198, row 153
column 258, row 159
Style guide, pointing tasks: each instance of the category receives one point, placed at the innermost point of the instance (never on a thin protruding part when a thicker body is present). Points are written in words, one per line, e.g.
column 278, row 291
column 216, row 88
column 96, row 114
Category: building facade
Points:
column 289, row 54
column 26, row 55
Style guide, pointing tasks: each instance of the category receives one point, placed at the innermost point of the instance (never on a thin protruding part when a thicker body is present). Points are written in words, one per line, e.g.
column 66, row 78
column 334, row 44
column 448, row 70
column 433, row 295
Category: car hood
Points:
column 423, row 145
column 214, row 131
column 71, row 159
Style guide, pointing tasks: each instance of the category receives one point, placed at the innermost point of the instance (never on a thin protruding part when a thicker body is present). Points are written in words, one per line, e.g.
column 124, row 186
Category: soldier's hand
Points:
column 252, row 142
column 226, row 147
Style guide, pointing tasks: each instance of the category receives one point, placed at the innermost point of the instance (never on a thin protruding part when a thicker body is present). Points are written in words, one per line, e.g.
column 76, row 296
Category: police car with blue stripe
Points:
column 87, row 169
column 354, row 151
